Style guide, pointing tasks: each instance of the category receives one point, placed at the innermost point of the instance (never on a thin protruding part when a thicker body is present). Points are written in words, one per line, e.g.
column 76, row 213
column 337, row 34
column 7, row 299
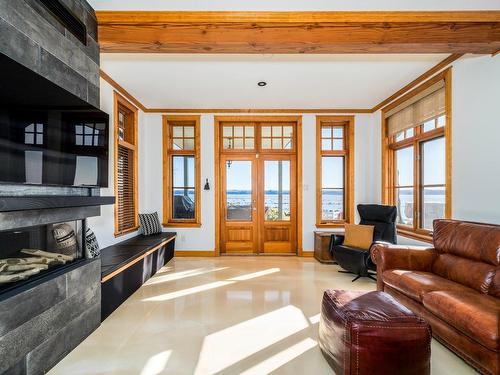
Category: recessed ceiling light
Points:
column 262, row 83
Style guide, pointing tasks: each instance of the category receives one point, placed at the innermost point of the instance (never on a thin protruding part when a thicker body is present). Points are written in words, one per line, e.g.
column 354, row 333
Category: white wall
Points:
column 367, row 166
column 367, row 169
column 476, row 159
column 476, row 139
column 104, row 226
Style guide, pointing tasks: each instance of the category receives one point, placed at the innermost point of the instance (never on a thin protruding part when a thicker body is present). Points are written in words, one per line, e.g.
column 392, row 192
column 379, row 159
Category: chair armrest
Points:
column 335, row 240
column 411, row 258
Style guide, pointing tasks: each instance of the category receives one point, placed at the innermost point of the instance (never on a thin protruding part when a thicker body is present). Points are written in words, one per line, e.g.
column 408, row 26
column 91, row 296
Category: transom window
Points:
column 332, row 137
column 277, row 137
column 335, row 168
column 183, row 136
column 257, row 136
column 238, row 137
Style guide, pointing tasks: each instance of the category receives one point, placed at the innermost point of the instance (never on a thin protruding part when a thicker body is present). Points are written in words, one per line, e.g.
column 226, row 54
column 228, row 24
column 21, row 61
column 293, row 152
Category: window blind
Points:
column 125, row 187
column 428, row 104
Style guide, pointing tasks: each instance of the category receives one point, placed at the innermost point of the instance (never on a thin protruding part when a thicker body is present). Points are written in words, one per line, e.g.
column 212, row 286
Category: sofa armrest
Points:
column 411, row 258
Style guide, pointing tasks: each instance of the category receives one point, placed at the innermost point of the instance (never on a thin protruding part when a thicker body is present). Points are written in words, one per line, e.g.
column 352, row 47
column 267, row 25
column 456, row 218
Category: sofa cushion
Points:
column 479, row 242
column 474, row 314
column 474, row 274
column 415, row 284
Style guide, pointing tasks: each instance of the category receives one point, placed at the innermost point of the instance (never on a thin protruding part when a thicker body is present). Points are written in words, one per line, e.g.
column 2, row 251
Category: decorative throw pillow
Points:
column 359, row 236
column 65, row 238
column 150, row 223
column 92, row 249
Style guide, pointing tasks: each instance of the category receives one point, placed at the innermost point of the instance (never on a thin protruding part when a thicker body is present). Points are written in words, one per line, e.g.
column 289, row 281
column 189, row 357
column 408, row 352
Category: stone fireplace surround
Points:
column 43, row 319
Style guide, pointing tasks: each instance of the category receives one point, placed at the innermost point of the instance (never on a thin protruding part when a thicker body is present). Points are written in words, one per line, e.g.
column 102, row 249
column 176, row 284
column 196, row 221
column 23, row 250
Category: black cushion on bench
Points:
column 122, row 253
column 127, row 265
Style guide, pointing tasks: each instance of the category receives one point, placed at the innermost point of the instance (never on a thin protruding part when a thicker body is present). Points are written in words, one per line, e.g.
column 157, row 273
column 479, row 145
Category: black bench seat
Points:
column 127, row 265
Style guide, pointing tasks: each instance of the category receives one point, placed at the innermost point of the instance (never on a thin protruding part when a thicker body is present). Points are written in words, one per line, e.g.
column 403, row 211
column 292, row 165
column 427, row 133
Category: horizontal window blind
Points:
column 428, row 104
column 125, row 189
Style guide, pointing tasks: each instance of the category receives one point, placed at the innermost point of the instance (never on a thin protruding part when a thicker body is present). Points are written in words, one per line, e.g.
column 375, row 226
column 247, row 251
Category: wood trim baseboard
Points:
column 134, row 261
column 307, row 254
column 195, row 253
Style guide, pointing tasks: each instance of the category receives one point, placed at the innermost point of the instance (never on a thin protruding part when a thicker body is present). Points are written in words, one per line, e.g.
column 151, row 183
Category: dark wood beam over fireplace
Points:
column 299, row 32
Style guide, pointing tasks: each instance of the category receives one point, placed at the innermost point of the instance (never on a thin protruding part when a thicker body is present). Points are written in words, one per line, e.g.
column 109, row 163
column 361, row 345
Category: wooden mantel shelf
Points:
column 299, row 32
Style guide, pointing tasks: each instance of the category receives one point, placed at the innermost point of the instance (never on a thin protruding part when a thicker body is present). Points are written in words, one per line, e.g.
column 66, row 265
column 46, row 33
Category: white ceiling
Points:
column 294, row 81
column 294, row 5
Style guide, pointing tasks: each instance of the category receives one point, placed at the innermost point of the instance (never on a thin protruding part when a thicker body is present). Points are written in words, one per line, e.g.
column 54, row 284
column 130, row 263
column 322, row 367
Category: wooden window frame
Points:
column 168, row 153
column 389, row 147
column 133, row 146
column 348, row 153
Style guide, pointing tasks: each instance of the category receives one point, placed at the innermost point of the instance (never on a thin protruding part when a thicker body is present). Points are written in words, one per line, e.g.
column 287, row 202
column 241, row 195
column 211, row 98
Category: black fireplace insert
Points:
column 32, row 252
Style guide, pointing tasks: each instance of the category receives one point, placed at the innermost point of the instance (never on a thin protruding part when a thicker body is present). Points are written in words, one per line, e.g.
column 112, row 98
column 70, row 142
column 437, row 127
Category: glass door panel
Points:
column 277, row 190
column 277, row 197
column 239, row 190
column 239, row 233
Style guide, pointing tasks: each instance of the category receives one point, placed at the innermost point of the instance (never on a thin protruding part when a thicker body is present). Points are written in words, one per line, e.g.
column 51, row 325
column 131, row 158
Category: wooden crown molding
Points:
column 119, row 88
column 417, row 81
column 263, row 110
column 299, row 32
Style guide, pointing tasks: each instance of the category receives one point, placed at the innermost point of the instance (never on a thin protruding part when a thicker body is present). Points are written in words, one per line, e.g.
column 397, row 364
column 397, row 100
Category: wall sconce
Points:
column 207, row 185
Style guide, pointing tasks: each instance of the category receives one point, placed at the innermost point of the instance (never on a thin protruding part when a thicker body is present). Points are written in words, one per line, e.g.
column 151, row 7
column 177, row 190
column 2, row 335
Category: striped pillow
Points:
column 150, row 223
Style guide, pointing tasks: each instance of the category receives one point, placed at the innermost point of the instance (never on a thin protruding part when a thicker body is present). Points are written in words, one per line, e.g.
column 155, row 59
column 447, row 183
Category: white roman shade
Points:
column 427, row 104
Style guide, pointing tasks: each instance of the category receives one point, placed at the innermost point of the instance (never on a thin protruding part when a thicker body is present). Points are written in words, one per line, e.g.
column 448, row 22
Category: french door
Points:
column 258, row 189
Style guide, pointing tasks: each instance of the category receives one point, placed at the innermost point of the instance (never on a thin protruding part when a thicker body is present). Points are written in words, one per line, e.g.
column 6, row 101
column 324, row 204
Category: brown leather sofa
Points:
column 454, row 285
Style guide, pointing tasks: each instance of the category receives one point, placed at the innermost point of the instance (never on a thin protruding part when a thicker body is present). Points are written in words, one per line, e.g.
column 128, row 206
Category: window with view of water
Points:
column 332, row 188
column 334, row 140
column 239, row 190
column 425, row 185
column 183, row 187
column 277, row 190
column 433, row 181
column 416, row 167
column 404, row 185
column 182, row 170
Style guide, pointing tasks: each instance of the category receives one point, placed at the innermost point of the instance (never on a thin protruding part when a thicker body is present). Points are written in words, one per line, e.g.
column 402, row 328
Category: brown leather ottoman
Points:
column 372, row 333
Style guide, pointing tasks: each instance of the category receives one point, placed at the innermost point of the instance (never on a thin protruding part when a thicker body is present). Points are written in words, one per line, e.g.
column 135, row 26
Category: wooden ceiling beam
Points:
column 299, row 32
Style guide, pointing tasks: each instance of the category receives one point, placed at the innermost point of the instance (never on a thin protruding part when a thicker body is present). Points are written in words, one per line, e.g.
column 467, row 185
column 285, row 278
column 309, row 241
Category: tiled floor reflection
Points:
column 227, row 315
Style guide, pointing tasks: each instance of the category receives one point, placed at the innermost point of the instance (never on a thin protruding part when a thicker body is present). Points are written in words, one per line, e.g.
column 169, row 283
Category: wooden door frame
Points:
column 217, row 187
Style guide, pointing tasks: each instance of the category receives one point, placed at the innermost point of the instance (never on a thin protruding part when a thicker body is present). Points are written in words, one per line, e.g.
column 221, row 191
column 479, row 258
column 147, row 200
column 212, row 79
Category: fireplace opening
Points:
column 32, row 252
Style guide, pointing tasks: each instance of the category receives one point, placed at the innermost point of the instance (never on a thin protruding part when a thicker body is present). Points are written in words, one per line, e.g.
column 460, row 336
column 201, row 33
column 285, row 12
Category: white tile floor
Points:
column 227, row 315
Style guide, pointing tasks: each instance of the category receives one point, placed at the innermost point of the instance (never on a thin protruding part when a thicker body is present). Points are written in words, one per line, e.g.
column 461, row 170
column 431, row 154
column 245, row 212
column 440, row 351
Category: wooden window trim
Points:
column 348, row 123
column 389, row 148
column 168, row 152
column 119, row 100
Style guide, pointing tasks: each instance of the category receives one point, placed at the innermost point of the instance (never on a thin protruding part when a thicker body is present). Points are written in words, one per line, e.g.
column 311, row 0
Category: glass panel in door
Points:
column 277, row 216
column 239, row 190
column 277, row 190
column 238, row 230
